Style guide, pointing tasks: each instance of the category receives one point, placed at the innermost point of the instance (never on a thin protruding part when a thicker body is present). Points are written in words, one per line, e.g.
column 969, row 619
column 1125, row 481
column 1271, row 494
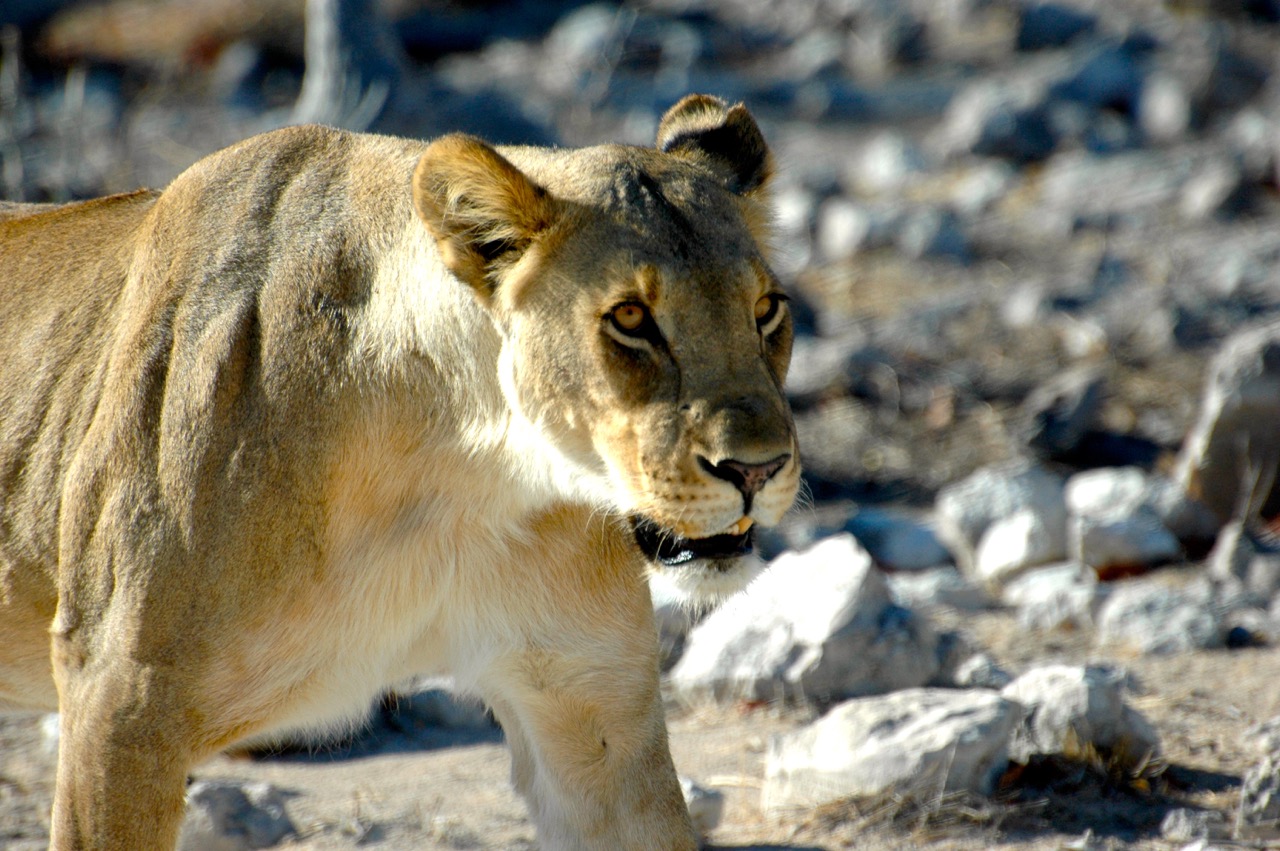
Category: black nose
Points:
column 747, row 478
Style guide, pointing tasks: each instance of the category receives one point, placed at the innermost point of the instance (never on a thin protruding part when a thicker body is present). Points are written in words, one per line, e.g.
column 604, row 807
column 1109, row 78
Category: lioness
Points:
column 334, row 409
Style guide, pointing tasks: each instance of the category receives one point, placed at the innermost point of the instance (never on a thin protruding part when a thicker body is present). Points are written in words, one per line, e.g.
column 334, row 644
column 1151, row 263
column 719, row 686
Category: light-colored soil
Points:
column 449, row 790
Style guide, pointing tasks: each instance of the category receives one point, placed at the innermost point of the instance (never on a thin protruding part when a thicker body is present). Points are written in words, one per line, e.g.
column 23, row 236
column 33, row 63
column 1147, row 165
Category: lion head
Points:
column 645, row 338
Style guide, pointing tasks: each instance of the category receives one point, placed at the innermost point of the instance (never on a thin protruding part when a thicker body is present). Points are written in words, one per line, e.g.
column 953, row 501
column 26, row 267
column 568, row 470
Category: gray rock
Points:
column 1185, row 824
column 965, row 510
column 886, row 42
column 1108, row 76
column 1237, row 559
column 1044, row 25
column 1165, row 108
column 888, row 163
column 1063, row 597
column 1150, row 183
column 938, row 586
column 821, row 366
column 1006, row 119
column 228, row 816
column 1259, row 813
column 817, row 626
column 917, row 741
column 981, row 670
column 795, row 216
column 706, row 806
column 1074, row 711
column 845, row 228
column 1230, row 456
column 1264, row 737
column 1216, row 190
column 1057, row 414
column 1040, row 581
column 981, row 186
column 435, row 703
column 1153, row 617
column 933, row 232
column 896, row 541
column 674, row 620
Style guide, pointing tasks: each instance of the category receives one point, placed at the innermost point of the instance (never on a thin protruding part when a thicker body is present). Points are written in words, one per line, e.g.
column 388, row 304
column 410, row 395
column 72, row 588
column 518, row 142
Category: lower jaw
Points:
column 718, row 552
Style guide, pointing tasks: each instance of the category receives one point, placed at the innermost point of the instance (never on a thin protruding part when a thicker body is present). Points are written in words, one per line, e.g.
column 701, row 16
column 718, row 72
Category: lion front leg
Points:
column 590, row 755
column 122, row 762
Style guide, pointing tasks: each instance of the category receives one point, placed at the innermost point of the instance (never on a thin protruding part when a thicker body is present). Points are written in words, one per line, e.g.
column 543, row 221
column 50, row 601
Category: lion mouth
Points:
column 669, row 549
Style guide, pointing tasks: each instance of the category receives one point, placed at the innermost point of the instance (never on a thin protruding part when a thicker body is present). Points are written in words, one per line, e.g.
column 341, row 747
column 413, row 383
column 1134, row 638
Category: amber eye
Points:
column 767, row 309
column 629, row 318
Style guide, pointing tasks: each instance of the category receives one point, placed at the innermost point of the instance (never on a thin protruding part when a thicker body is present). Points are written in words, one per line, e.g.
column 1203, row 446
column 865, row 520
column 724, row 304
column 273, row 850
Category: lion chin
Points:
column 700, row 572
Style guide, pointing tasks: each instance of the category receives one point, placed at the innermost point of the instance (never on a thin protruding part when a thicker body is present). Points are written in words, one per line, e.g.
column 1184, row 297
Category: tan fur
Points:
column 333, row 410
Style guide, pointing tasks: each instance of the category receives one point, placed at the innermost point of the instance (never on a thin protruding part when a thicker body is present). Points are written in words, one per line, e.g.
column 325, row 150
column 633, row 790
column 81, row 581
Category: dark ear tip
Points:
column 692, row 113
column 727, row 134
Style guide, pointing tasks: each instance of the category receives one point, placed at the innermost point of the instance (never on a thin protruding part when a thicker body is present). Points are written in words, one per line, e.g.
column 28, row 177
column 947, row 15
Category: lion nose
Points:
column 747, row 478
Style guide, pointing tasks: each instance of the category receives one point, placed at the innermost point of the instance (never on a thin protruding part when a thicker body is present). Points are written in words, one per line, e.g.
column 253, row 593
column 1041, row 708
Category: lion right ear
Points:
column 482, row 210
column 727, row 137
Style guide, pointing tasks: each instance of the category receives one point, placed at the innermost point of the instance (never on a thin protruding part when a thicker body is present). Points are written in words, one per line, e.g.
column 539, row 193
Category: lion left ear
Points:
column 482, row 210
column 727, row 136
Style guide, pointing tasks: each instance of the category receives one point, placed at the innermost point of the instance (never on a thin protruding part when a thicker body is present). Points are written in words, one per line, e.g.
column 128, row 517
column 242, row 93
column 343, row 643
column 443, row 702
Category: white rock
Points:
column 1040, row 582
column 845, row 227
column 1110, row 542
column 964, row 510
column 706, row 806
column 887, row 164
column 50, row 733
column 1263, row 737
column 1152, row 617
column 818, row 625
column 1062, row 610
column 1071, row 708
column 1114, row 492
column 229, row 816
column 1185, row 824
column 913, row 741
column 1014, row 543
column 1259, row 813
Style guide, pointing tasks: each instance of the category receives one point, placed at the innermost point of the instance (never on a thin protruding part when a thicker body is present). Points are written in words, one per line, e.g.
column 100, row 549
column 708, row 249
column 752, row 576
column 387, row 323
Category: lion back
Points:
column 170, row 363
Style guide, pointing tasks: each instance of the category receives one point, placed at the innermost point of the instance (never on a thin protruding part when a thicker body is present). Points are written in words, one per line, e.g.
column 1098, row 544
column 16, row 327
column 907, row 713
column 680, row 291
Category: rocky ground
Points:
column 1017, row 234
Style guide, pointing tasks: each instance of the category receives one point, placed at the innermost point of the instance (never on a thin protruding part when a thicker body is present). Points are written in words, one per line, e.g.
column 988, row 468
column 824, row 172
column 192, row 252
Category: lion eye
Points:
column 767, row 311
column 629, row 318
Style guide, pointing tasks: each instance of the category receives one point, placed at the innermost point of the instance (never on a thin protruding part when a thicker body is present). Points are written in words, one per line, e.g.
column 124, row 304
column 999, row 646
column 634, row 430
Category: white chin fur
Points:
column 702, row 583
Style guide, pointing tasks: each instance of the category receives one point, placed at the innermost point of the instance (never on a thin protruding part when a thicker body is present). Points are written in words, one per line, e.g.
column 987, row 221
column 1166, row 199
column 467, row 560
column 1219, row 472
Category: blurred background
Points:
column 1017, row 235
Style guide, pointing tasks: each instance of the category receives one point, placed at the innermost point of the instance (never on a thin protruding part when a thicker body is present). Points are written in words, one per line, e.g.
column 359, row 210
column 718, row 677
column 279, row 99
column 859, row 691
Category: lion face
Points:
column 645, row 338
